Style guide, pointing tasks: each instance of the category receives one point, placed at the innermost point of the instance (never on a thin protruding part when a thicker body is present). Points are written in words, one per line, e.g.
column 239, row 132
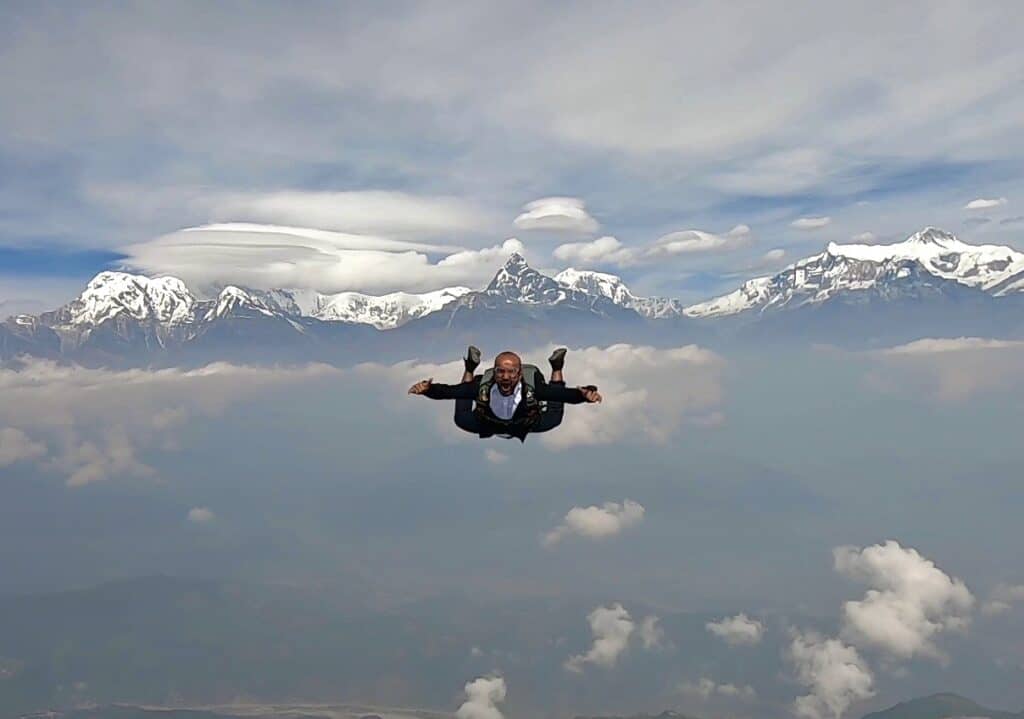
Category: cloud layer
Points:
column 949, row 370
column 270, row 256
column 89, row 425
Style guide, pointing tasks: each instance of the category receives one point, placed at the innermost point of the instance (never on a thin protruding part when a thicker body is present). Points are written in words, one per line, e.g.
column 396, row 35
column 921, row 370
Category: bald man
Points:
column 507, row 404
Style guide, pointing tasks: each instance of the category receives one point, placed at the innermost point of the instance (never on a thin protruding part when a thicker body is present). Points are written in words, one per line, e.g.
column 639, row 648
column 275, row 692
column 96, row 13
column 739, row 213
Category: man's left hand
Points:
column 590, row 394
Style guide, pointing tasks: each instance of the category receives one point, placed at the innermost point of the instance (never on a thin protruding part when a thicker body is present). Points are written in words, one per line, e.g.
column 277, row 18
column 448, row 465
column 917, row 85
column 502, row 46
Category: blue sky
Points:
column 124, row 123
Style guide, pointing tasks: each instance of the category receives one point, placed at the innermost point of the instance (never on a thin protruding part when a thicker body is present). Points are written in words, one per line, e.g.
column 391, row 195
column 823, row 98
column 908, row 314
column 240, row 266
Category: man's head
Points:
column 508, row 369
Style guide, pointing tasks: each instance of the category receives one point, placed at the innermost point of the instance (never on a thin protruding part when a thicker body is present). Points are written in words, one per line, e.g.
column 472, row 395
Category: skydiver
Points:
column 507, row 398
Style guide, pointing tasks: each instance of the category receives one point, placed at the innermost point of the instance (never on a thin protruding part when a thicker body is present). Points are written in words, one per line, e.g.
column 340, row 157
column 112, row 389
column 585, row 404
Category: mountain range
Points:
column 930, row 285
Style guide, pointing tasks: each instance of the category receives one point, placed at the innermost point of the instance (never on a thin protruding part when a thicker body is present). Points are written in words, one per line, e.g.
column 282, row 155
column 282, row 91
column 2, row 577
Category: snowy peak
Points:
column 236, row 302
column 516, row 281
column 923, row 258
column 933, row 236
column 945, row 256
column 384, row 311
column 165, row 300
column 597, row 283
column 602, row 284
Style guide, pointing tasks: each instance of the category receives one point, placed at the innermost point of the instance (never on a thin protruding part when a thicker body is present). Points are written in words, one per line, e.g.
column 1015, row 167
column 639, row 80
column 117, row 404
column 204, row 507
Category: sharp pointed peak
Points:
column 516, row 260
column 931, row 235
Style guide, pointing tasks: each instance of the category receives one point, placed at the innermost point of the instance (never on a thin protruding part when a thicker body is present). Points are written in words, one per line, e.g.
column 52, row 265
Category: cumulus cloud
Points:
column 269, row 256
column 482, row 697
column 651, row 633
column 705, row 688
column 949, row 370
column 200, row 515
column 93, row 423
column 810, row 223
column 16, row 446
column 602, row 251
column 596, row 522
column 1002, row 599
column 686, row 242
column 865, row 237
column 985, row 204
column 557, row 214
column 909, row 602
column 611, row 628
column 773, row 256
column 648, row 393
column 835, row 673
column 737, row 630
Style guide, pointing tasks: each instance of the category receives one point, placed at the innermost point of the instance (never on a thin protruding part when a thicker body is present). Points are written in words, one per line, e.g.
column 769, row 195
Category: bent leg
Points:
column 464, row 417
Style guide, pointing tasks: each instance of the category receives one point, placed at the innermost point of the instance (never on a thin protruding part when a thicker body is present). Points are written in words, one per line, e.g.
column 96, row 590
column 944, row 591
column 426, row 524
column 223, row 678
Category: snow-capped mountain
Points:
column 516, row 283
column 384, row 311
column 889, row 270
column 236, row 302
column 611, row 286
column 931, row 283
column 163, row 299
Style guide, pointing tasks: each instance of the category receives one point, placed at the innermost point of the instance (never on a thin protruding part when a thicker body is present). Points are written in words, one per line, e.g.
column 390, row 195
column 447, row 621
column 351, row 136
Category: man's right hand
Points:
column 421, row 387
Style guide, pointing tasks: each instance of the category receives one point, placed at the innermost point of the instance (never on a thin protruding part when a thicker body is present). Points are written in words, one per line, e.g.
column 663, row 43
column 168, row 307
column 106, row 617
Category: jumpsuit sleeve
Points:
column 465, row 390
column 558, row 393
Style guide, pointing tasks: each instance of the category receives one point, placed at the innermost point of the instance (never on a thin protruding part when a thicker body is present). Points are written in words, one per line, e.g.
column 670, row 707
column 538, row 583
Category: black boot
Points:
column 557, row 359
column 472, row 359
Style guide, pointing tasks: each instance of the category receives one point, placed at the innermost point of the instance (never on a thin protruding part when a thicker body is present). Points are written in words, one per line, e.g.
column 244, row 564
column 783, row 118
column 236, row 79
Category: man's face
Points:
column 507, row 372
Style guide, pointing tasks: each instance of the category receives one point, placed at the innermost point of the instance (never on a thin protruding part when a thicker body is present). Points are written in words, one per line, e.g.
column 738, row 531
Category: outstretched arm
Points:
column 436, row 390
column 569, row 395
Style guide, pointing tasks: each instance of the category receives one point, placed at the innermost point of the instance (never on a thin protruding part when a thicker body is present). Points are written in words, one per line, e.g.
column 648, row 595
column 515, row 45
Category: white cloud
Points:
column 651, row 634
column 810, row 223
column 864, row 237
column 706, row 688
column 494, row 456
column 596, row 522
column 688, row 381
column 944, row 345
column 385, row 213
column 949, row 370
column 835, row 673
column 367, row 212
column 1002, row 599
column 983, row 204
column 482, row 697
column 200, row 515
column 772, row 256
column 557, row 214
column 687, row 242
column 95, row 422
column 611, row 628
column 909, row 601
column 269, row 256
column 737, row 630
column 602, row 251
column 16, row 446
